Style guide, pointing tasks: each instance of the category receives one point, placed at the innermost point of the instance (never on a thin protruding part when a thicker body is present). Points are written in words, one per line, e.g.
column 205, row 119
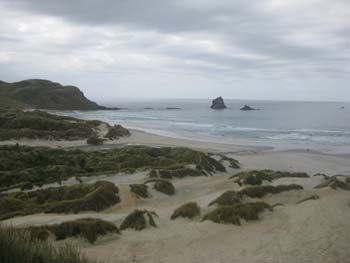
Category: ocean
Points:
column 284, row 125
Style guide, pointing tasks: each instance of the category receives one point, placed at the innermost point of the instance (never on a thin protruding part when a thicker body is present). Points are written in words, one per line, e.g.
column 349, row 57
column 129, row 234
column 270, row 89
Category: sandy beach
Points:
column 313, row 231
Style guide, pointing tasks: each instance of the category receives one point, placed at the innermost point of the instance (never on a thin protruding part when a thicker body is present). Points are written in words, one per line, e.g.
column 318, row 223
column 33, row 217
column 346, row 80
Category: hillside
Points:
column 44, row 94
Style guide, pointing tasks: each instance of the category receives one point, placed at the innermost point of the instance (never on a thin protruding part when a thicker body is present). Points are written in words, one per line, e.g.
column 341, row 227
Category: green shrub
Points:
column 17, row 245
column 189, row 210
column 87, row 228
column 262, row 190
column 227, row 198
column 139, row 189
column 256, row 177
column 17, row 124
column 233, row 162
column 94, row 140
column 39, row 165
column 139, row 220
column 162, row 186
column 231, row 214
column 66, row 199
column 117, row 131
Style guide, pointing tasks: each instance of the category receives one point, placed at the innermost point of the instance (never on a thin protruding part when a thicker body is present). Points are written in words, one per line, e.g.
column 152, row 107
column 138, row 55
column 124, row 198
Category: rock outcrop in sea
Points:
column 218, row 104
column 247, row 107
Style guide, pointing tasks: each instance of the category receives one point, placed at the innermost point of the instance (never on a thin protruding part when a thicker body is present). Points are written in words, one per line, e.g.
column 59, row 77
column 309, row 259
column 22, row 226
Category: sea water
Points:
column 286, row 125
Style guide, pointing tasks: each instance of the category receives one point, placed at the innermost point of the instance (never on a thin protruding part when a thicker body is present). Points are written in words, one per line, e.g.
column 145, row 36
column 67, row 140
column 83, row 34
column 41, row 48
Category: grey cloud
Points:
column 246, row 39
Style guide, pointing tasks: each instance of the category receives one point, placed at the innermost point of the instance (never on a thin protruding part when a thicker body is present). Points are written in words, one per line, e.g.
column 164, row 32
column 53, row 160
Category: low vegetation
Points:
column 94, row 140
column 334, row 183
column 39, row 165
column 141, row 190
column 162, row 186
column 65, row 199
column 233, row 162
column 232, row 214
column 139, row 220
column 228, row 198
column 262, row 190
column 87, row 228
column 256, row 177
column 17, row 124
column 117, row 131
column 17, row 245
column 188, row 210
column 311, row 197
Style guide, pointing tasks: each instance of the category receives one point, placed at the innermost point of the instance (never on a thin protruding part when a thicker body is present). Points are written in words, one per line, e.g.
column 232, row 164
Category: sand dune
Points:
column 313, row 231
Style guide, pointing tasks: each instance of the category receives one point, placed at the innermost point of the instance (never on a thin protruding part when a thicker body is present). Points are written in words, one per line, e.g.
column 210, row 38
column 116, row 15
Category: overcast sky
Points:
column 256, row 49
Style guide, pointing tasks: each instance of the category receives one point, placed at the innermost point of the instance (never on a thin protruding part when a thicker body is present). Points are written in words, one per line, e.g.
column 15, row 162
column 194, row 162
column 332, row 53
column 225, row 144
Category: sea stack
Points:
column 218, row 104
column 247, row 107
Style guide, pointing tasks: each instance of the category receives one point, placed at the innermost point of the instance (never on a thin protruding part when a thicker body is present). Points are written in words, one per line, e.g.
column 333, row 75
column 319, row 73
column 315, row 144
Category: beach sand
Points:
column 313, row 231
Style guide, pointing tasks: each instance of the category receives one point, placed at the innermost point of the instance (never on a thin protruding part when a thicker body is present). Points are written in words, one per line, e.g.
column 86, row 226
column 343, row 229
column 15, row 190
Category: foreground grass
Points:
column 17, row 246
column 40, row 165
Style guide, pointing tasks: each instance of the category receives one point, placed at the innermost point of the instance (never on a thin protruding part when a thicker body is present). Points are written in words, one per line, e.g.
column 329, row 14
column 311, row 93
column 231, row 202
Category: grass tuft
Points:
column 17, row 245
column 227, row 198
column 262, row 190
column 141, row 190
column 87, row 228
column 232, row 214
column 188, row 210
column 162, row 186
column 256, row 177
column 139, row 220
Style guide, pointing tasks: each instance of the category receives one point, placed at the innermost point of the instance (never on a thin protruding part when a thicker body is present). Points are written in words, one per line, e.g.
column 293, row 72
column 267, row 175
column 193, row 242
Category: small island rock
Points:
column 247, row 107
column 218, row 104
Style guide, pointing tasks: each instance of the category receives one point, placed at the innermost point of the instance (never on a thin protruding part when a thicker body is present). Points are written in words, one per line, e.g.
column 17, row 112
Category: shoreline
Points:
column 146, row 138
column 250, row 157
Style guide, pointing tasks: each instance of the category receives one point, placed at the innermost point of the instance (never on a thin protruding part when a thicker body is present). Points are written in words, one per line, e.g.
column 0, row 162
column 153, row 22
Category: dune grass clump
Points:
column 311, row 197
column 139, row 220
column 93, row 139
column 228, row 198
column 232, row 214
column 65, row 199
column 233, row 162
column 188, row 210
column 256, row 177
column 40, row 165
column 141, row 190
column 334, row 183
column 117, row 131
column 162, row 186
column 17, row 245
column 87, row 228
column 262, row 190
column 17, row 124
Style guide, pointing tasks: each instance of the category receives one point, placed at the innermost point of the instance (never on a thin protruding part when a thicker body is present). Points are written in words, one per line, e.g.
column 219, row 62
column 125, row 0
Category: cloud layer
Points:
column 264, row 49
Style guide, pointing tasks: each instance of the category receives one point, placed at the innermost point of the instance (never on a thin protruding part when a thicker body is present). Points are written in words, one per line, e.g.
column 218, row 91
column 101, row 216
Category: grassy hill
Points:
column 44, row 94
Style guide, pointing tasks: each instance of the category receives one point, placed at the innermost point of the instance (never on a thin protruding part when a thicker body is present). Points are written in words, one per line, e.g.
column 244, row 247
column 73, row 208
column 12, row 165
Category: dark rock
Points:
column 218, row 104
column 247, row 107
column 172, row 108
